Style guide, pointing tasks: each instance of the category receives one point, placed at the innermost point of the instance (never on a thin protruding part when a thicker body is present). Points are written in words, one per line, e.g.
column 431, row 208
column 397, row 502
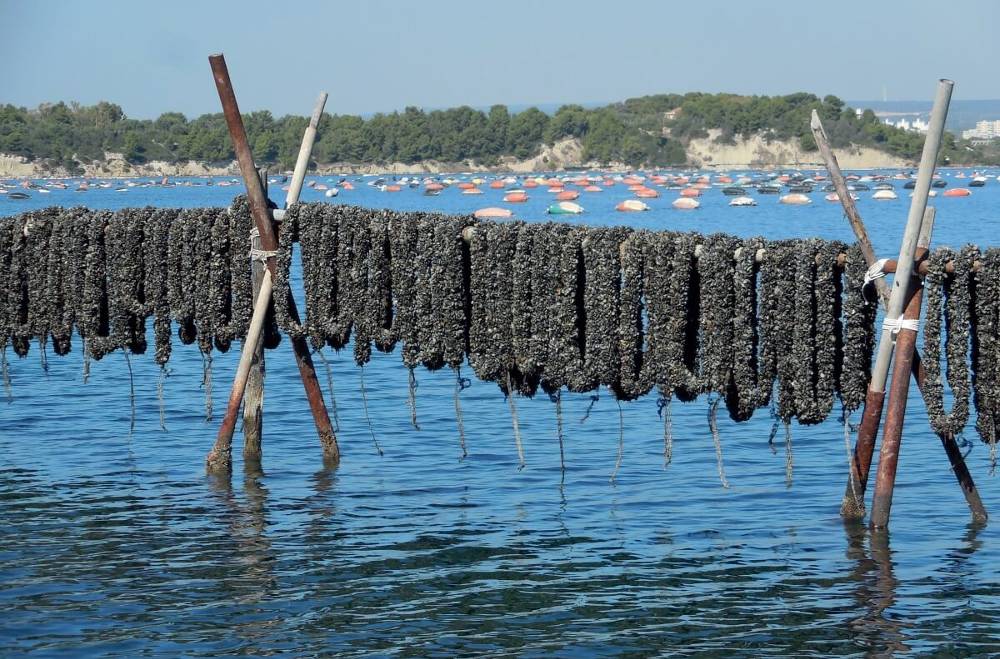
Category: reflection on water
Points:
column 117, row 543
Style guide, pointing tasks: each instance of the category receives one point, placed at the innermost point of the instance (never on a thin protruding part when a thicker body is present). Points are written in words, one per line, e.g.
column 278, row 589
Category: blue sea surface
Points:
column 117, row 543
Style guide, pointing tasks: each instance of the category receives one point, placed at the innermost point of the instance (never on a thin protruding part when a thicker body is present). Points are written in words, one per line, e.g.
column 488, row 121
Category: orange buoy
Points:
column 433, row 187
column 496, row 185
column 347, row 185
column 567, row 195
column 685, row 203
column 690, row 192
column 493, row 212
column 593, row 188
column 957, row 192
column 632, row 180
column 647, row 193
column 608, row 182
column 531, row 183
column 554, row 183
column 515, row 197
column 392, row 188
column 465, row 185
column 472, row 190
column 631, row 206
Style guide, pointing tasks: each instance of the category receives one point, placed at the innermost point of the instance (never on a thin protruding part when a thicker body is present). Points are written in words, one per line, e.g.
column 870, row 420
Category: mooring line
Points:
column 131, row 392
column 514, row 422
column 412, row 399
column 368, row 419
column 460, row 384
column 714, row 427
column 5, row 367
column 621, row 442
column 557, row 399
column 329, row 384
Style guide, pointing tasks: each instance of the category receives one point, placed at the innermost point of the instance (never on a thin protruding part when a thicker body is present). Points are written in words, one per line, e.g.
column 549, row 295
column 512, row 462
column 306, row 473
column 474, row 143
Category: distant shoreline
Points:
column 565, row 155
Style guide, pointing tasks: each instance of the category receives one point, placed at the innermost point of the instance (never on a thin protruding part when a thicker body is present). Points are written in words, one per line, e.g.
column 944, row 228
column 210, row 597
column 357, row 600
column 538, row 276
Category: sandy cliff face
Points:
column 114, row 166
column 755, row 152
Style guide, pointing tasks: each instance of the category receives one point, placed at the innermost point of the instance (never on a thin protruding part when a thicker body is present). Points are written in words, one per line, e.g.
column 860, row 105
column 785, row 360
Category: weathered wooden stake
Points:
column 253, row 404
column 220, row 457
column 904, row 338
column 853, row 505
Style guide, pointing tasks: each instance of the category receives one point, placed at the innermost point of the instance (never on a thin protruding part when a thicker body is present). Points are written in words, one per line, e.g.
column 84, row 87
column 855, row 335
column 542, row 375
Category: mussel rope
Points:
column 743, row 394
column 986, row 346
column 634, row 375
column 947, row 317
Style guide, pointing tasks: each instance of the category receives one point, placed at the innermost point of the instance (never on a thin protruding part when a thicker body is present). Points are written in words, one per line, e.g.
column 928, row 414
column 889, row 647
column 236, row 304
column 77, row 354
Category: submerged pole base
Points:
column 219, row 461
column 853, row 505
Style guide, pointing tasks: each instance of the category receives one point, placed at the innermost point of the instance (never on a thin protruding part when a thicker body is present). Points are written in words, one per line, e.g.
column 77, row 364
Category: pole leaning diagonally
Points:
column 902, row 313
column 853, row 505
column 220, row 457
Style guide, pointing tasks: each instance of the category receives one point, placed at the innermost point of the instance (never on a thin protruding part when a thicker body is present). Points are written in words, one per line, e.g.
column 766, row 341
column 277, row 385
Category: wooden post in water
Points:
column 853, row 505
column 220, row 457
column 253, row 404
column 901, row 337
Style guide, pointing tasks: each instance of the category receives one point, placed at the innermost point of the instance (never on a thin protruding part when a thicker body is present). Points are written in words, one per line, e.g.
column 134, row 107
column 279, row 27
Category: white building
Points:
column 918, row 125
column 985, row 130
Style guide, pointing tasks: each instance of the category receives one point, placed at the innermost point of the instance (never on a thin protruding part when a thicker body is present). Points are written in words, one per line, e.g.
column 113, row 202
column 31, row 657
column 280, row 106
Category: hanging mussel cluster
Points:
column 962, row 329
column 103, row 274
column 751, row 322
column 552, row 305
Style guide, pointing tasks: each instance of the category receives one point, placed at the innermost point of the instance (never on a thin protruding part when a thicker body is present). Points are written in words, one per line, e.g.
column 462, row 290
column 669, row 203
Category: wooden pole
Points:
column 220, row 457
column 853, row 503
column 847, row 201
column 904, row 339
column 253, row 405
column 305, row 152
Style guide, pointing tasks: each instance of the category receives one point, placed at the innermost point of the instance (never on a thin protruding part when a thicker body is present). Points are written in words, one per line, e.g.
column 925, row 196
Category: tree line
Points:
column 645, row 131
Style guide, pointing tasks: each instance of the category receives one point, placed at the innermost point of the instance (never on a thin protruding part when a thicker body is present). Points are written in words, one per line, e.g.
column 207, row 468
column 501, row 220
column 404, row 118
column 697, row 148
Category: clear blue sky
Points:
column 151, row 57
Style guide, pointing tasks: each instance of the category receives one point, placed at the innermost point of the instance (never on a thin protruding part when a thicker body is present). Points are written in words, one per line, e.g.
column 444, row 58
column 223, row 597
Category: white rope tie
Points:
column 875, row 271
column 894, row 325
column 262, row 255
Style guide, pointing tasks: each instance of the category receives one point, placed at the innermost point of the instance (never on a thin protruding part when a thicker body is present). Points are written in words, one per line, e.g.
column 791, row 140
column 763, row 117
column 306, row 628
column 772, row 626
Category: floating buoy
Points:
column 957, row 192
column 496, row 185
column 743, row 201
column 567, row 195
column 686, row 203
column 795, row 199
column 593, row 188
column 332, row 192
column 631, row 205
column 515, row 197
column 690, row 192
column 531, row 183
column 884, row 195
column 466, row 185
column 472, row 190
column 565, row 208
column 492, row 213
column 647, row 193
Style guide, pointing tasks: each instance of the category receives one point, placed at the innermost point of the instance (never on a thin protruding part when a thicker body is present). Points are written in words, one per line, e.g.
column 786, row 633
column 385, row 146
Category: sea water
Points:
column 116, row 542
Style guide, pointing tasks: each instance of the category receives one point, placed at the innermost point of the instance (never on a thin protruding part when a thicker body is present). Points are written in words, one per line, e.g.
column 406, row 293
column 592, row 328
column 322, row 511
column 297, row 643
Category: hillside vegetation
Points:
column 646, row 131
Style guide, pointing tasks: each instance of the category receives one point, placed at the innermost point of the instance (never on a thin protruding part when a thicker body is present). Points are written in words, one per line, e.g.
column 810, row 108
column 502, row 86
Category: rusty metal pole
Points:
column 220, row 456
column 905, row 338
column 853, row 503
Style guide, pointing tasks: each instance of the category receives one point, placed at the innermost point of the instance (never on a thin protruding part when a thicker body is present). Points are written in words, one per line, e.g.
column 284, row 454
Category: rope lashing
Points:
column 895, row 325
